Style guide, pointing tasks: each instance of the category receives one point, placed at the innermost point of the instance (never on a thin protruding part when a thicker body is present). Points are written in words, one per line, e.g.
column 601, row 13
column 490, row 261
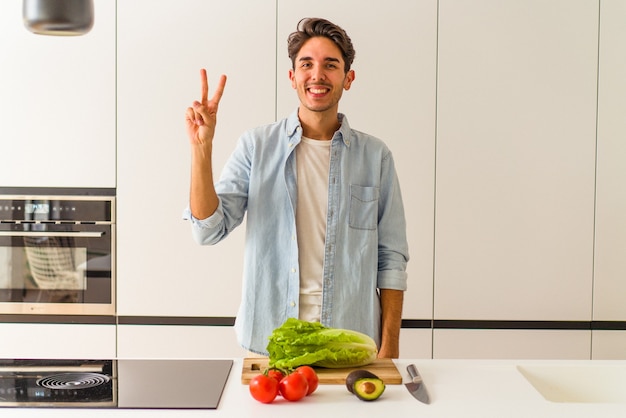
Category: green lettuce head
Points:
column 297, row 343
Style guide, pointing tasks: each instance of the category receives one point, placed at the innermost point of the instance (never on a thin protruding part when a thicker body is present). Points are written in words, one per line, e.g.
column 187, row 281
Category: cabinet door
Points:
column 608, row 345
column 511, row 344
column 57, row 103
column 67, row 341
column 393, row 98
column 515, row 175
column 610, row 262
column 176, row 341
column 161, row 48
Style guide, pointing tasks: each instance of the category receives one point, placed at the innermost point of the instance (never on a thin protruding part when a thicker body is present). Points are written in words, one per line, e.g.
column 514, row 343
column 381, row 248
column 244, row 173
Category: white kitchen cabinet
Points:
column 511, row 344
column 393, row 97
column 609, row 291
column 176, row 341
column 161, row 48
column 515, row 160
column 57, row 103
column 416, row 343
column 608, row 345
column 59, row 341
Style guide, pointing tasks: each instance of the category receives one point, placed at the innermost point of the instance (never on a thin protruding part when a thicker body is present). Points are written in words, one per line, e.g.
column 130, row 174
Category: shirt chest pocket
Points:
column 363, row 207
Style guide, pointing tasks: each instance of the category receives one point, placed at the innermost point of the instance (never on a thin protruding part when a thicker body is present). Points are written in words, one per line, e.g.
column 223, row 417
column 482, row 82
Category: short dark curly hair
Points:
column 309, row 28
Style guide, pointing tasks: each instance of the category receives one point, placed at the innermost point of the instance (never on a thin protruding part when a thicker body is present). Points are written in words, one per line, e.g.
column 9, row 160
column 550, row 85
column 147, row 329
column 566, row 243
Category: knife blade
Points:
column 416, row 386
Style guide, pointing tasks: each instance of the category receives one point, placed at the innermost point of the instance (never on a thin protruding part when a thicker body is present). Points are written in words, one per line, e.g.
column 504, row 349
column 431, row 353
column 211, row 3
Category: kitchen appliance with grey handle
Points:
column 416, row 386
column 57, row 252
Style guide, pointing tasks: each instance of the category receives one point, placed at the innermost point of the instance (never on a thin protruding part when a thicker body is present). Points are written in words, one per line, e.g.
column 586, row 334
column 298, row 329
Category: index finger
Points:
column 205, row 86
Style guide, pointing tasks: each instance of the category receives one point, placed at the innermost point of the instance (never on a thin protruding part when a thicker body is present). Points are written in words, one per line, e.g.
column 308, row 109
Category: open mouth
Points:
column 318, row 90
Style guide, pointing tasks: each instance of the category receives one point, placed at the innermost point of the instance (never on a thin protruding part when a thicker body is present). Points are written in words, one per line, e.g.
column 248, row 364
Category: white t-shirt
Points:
column 313, row 165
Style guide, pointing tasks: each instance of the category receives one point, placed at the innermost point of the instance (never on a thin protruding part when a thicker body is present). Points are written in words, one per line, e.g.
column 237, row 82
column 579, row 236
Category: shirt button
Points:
column 292, row 304
column 293, row 270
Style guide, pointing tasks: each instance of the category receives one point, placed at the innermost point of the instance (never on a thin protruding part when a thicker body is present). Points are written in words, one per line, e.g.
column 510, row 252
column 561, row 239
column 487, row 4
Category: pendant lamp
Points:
column 58, row 17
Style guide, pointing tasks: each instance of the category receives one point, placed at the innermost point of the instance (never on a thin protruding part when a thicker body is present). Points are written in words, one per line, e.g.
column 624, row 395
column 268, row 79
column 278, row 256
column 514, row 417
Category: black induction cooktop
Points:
column 142, row 384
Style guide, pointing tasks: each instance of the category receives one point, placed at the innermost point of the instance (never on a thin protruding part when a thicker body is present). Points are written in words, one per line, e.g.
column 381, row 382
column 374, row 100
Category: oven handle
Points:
column 51, row 234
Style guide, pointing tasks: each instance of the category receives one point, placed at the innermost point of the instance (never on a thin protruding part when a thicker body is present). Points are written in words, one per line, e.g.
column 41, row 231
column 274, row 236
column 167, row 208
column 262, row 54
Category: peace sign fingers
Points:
column 202, row 116
column 219, row 91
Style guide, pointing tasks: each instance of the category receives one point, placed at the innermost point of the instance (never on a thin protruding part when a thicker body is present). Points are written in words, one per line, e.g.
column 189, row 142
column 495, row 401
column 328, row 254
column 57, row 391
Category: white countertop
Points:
column 458, row 388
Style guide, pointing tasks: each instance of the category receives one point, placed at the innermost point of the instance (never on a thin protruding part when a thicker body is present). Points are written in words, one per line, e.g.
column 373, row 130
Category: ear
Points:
column 347, row 82
column 292, row 77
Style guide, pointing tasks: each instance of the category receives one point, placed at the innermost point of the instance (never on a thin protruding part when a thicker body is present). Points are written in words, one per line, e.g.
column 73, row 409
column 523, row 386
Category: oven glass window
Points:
column 44, row 264
column 49, row 270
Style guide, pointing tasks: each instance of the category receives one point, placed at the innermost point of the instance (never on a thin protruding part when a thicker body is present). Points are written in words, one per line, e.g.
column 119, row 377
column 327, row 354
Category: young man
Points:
column 326, row 233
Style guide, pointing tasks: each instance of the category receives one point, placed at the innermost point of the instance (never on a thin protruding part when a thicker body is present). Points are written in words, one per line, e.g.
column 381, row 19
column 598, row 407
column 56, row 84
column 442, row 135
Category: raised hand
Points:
column 201, row 118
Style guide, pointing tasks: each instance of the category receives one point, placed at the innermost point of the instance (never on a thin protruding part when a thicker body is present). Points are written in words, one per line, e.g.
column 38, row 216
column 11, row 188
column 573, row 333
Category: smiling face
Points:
column 319, row 77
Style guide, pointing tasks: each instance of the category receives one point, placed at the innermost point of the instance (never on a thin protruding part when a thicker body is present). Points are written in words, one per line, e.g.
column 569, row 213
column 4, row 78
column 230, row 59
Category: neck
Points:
column 318, row 125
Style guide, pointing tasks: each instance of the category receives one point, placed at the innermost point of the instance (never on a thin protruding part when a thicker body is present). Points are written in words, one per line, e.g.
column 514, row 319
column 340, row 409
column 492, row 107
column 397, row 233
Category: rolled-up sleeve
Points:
column 392, row 279
column 393, row 252
column 206, row 231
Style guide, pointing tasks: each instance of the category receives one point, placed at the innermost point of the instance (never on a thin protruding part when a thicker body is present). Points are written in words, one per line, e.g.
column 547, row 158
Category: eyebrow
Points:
column 327, row 59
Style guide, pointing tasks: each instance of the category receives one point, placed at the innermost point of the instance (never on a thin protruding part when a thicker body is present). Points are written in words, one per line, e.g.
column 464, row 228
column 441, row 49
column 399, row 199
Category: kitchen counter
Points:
column 458, row 388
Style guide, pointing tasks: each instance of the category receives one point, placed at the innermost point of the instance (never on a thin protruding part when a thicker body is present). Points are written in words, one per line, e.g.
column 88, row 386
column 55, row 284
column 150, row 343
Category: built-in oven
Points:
column 57, row 254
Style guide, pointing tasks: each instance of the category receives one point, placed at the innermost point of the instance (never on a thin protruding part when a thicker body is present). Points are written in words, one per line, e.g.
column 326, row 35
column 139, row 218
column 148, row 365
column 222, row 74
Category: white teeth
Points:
column 318, row 91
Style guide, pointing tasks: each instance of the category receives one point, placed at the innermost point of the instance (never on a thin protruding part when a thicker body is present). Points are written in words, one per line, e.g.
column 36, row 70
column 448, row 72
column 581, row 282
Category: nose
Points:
column 318, row 73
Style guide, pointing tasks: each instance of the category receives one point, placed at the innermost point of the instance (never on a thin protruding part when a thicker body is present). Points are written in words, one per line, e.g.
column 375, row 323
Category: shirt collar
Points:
column 294, row 127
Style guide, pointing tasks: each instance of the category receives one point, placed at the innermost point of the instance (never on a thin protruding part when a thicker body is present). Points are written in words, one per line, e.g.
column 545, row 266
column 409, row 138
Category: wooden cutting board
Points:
column 383, row 368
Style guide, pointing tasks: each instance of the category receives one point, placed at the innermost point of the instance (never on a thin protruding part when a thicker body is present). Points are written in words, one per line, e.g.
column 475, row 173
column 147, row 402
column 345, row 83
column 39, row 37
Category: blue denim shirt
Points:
column 366, row 246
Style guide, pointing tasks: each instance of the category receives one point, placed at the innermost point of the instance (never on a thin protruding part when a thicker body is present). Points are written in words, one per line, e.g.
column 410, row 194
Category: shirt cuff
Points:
column 392, row 279
column 211, row 222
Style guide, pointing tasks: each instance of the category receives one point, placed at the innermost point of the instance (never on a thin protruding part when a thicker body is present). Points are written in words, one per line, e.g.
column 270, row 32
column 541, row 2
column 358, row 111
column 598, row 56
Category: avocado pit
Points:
column 365, row 385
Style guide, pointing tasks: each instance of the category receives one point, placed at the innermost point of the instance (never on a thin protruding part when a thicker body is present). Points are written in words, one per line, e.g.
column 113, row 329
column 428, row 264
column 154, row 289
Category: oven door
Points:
column 57, row 268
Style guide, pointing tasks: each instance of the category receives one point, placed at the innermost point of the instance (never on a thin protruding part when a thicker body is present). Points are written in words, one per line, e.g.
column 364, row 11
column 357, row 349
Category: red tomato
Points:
column 263, row 388
column 276, row 374
column 311, row 377
column 293, row 387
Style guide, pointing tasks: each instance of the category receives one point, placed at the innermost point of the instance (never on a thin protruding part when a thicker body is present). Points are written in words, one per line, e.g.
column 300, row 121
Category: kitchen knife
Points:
column 416, row 385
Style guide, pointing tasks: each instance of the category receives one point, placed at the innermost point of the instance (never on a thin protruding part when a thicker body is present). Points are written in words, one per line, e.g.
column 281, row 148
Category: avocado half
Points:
column 365, row 385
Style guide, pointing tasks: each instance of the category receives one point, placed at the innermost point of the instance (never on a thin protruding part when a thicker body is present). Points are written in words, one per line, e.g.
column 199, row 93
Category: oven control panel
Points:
column 70, row 209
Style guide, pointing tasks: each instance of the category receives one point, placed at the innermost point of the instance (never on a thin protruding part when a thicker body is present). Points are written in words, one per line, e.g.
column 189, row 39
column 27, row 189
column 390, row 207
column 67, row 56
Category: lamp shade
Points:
column 58, row 17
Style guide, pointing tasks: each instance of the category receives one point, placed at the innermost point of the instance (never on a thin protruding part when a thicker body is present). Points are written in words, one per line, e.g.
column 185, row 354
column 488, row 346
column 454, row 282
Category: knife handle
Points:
column 413, row 373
